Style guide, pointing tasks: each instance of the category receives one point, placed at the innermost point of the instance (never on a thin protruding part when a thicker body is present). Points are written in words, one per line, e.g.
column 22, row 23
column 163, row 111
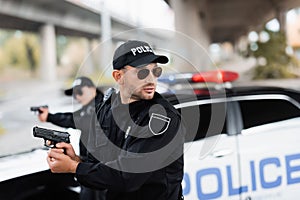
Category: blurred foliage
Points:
column 62, row 43
column 276, row 62
column 272, row 71
column 21, row 52
column 19, row 49
column 2, row 130
column 4, row 35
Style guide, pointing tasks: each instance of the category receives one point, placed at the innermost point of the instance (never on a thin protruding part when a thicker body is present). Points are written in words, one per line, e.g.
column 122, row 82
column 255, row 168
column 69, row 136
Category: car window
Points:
column 210, row 120
column 259, row 112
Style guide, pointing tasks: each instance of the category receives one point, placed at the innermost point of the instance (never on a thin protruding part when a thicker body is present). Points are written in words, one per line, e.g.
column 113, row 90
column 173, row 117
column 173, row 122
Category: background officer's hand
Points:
column 43, row 115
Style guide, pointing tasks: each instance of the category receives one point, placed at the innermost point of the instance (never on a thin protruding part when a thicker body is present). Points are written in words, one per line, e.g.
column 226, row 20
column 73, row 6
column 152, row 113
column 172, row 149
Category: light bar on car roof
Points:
column 216, row 76
column 176, row 78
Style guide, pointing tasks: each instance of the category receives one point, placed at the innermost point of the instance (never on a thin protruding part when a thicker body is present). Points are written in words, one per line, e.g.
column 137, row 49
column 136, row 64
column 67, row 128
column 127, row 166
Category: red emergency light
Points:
column 216, row 76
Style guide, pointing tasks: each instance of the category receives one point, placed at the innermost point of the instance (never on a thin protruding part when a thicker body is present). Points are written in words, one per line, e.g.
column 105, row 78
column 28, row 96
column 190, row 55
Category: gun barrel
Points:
column 37, row 108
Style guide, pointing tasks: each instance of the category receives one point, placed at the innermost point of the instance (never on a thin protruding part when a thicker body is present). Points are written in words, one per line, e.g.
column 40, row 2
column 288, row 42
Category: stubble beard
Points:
column 141, row 94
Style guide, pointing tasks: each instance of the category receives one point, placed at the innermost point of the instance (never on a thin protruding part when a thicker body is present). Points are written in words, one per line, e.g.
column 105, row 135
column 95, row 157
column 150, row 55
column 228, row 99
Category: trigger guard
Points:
column 49, row 144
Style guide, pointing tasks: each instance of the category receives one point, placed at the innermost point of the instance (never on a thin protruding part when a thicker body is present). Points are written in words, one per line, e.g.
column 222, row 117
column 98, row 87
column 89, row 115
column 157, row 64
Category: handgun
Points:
column 37, row 108
column 51, row 137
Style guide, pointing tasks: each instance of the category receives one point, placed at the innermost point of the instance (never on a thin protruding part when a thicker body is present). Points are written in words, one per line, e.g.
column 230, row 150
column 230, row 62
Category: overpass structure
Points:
column 203, row 21
column 229, row 20
column 68, row 18
column 49, row 18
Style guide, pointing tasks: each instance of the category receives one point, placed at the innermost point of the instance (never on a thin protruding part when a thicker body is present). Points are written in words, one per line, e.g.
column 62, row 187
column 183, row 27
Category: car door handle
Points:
column 221, row 153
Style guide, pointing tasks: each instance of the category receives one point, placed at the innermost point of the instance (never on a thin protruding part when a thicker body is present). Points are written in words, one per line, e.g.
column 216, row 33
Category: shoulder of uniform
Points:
column 165, row 103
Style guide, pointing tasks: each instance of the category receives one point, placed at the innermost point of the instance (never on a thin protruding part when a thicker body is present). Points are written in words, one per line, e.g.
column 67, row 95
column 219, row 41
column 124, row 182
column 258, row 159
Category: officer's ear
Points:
column 118, row 76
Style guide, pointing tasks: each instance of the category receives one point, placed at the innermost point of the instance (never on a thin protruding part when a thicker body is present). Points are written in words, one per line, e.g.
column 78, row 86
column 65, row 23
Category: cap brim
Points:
column 149, row 59
column 69, row 92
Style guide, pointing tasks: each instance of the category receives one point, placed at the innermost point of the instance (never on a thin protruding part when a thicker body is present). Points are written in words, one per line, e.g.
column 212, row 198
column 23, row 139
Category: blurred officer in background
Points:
column 86, row 93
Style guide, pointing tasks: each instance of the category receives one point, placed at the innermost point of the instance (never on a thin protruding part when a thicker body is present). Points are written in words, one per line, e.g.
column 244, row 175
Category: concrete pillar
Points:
column 281, row 17
column 88, row 65
column 106, row 40
column 190, row 19
column 48, row 52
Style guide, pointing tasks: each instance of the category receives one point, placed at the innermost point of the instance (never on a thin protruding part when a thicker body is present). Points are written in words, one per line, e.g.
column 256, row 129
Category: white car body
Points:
column 256, row 157
column 257, row 162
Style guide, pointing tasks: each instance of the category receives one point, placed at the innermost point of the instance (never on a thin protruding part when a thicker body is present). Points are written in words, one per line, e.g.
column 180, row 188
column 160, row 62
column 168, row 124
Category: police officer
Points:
column 136, row 144
column 87, row 94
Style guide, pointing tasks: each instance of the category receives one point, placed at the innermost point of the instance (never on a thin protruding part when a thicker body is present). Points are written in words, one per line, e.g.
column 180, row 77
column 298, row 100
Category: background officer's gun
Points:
column 51, row 137
column 37, row 108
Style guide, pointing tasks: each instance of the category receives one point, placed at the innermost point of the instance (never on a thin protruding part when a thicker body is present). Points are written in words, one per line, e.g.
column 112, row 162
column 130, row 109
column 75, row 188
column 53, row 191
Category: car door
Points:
column 210, row 154
column 269, row 149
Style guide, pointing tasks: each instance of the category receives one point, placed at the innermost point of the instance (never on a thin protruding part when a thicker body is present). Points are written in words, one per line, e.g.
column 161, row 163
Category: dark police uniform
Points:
column 137, row 157
column 81, row 120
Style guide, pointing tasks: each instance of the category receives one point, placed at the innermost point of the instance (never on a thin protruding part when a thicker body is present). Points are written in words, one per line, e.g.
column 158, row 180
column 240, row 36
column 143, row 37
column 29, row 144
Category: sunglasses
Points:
column 143, row 73
column 77, row 91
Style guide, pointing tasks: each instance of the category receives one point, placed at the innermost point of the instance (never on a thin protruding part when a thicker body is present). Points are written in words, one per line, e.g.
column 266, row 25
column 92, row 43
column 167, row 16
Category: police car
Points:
column 241, row 143
column 26, row 176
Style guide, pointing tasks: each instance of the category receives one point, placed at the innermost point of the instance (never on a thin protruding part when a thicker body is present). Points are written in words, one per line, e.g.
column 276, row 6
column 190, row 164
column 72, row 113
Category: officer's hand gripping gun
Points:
column 37, row 108
column 51, row 137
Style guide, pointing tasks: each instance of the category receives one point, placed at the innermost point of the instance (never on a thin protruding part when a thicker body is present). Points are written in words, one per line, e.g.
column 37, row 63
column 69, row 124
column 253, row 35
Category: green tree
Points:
column 22, row 51
column 273, row 52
